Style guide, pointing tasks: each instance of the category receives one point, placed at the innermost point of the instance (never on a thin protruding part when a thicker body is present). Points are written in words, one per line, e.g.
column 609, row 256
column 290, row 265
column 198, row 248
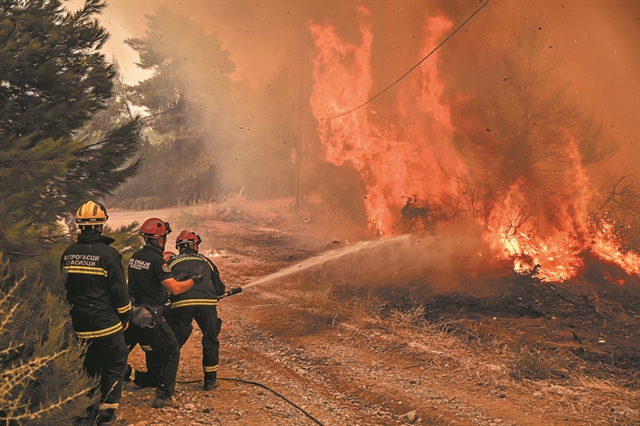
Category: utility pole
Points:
column 299, row 148
column 296, row 152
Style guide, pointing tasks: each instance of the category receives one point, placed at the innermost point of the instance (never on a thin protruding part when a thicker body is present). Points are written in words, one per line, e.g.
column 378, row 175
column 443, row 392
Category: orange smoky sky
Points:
column 598, row 41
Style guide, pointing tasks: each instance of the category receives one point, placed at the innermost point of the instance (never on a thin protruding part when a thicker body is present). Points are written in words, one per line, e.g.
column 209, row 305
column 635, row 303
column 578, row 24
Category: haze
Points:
column 598, row 45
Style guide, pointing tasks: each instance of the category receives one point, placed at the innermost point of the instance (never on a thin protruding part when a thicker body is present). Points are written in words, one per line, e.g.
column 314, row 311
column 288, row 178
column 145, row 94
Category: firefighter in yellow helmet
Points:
column 100, row 307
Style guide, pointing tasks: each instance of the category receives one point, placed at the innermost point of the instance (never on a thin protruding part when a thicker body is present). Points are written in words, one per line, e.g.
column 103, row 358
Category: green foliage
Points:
column 140, row 203
column 127, row 238
column 207, row 135
column 179, row 163
column 53, row 79
column 113, row 151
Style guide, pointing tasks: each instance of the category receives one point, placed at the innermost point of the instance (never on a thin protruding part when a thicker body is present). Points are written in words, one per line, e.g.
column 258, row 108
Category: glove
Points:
column 186, row 274
column 197, row 275
column 183, row 275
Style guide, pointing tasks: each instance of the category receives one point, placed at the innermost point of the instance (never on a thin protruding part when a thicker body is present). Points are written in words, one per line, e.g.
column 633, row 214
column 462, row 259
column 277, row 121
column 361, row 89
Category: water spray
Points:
column 318, row 260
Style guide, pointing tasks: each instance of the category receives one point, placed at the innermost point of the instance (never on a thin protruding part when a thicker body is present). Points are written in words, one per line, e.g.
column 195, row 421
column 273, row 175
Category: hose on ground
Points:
column 264, row 387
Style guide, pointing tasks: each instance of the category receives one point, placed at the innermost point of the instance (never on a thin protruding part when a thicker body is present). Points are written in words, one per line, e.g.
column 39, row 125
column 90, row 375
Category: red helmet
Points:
column 168, row 255
column 188, row 237
column 154, row 228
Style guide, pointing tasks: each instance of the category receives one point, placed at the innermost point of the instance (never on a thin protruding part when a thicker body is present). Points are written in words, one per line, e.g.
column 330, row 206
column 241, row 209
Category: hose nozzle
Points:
column 234, row 291
column 231, row 292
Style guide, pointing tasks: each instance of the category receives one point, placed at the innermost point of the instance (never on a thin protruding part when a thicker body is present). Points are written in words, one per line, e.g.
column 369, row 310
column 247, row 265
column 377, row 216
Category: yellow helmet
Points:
column 91, row 213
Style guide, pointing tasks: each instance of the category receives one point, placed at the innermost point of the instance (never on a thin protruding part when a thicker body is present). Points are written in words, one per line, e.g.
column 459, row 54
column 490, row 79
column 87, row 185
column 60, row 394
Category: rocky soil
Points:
column 297, row 351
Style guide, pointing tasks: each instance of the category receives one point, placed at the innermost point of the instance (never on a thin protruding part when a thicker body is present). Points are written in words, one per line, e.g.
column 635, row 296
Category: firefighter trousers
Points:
column 206, row 316
column 106, row 358
column 161, row 352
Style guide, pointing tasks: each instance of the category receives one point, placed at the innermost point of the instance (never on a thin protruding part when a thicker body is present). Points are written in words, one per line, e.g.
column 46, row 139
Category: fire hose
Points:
column 264, row 387
column 231, row 293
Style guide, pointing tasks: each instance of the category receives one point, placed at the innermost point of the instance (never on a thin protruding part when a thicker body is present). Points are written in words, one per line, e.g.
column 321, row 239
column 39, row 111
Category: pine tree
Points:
column 189, row 87
column 514, row 123
column 53, row 80
column 207, row 133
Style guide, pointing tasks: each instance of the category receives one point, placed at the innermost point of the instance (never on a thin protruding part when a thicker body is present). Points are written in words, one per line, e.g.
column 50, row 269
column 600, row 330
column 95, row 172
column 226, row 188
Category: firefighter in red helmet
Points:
column 199, row 303
column 100, row 307
column 168, row 256
column 150, row 280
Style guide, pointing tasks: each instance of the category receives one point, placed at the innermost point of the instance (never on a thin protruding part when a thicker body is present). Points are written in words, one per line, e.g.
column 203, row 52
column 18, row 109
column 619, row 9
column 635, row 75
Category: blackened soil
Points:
column 598, row 322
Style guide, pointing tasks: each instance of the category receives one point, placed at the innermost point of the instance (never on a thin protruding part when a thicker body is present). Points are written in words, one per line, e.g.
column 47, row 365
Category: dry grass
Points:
column 531, row 364
column 231, row 208
column 555, row 384
column 192, row 215
column 19, row 375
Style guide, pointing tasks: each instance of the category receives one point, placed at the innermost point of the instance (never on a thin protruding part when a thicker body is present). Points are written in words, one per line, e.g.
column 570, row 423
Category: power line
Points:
column 412, row 68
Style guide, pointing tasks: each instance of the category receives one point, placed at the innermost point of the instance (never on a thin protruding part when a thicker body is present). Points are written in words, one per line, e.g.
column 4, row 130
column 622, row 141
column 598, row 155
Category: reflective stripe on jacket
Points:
column 96, row 286
column 206, row 290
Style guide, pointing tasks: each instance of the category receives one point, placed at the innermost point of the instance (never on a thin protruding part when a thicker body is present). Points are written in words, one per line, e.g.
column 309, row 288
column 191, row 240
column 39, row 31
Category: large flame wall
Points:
column 407, row 155
column 436, row 135
column 535, row 202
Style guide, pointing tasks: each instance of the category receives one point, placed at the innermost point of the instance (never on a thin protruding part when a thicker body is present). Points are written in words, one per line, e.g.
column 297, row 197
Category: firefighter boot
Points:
column 210, row 381
column 87, row 417
column 160, row 402
column 108, row 417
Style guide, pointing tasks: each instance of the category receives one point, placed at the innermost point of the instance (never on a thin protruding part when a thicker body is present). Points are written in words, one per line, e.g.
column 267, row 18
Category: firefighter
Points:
column 199, row 303
column 149, row 279
column 100, row 307
column 168, row 256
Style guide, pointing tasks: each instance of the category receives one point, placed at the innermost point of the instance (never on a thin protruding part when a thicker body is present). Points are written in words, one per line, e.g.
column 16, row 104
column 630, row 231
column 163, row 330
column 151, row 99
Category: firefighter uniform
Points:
column 198, row 303
column 100, row 310
column 147, row 270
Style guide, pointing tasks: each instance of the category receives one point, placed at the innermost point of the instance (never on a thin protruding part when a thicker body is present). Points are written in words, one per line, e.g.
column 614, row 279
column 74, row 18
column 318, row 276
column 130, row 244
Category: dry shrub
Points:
column 529, row 364
column 320, row 295
column 414, row 316
column 532, row 364
column 140, row 203
column 191, row 216
column 41, row 379
column 555, row 383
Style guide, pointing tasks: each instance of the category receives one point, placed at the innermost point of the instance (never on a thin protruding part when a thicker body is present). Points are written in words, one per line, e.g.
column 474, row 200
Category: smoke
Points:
column 591, row 54
column 452, row 260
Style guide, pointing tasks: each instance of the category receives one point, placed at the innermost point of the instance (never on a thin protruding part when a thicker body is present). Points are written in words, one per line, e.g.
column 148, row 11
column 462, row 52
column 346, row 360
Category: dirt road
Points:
column 316, row 354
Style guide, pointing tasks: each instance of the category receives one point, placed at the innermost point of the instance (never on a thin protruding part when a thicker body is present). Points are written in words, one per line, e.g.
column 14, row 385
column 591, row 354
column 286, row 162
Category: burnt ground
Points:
column 597, row 322
column 578, row 318
column 528, row 353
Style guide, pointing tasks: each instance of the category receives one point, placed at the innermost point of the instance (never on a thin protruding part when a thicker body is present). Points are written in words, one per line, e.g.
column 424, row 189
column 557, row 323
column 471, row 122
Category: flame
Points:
column 606, row 247
column 512, row 234
column 406, row 149
column 559, row 252
column 394, row 160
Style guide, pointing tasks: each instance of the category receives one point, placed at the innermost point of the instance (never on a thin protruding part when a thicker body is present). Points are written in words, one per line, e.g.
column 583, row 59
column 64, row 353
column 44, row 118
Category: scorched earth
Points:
column 314, row 348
